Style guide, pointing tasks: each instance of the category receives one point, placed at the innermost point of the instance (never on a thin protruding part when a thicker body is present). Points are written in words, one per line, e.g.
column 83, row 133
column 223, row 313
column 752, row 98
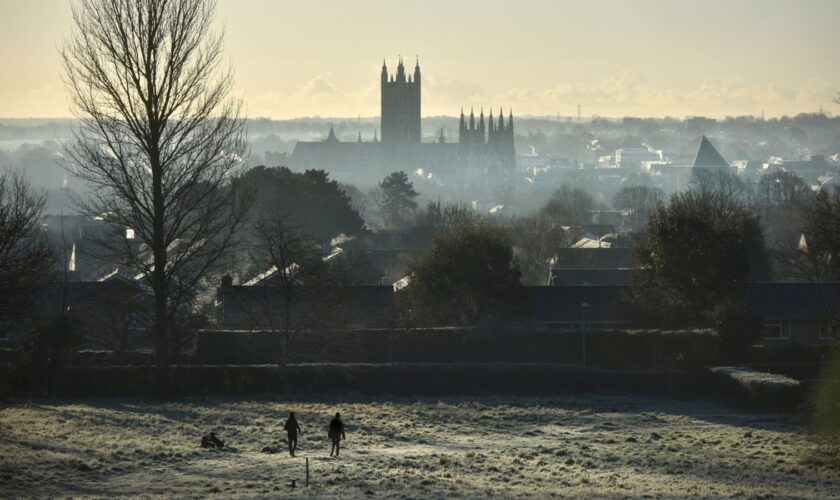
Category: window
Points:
column 827, row 331
column 776, row 331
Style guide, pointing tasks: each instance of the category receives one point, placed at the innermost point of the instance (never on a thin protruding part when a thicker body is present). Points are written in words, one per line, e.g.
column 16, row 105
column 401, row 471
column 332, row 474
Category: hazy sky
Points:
column 614, row 58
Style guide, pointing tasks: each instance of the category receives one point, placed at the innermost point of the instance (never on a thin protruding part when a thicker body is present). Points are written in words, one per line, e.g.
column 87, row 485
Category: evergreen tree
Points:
column 468, row 276
column 699, row 252
column 308, row 200
column 396, row 200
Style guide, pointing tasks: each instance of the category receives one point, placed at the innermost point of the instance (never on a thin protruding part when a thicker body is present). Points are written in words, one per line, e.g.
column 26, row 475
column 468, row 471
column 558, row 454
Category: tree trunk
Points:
column 161, row 337
column 159, row 279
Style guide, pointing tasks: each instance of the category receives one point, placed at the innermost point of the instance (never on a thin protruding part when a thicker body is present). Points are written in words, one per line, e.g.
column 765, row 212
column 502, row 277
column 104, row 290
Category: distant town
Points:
column 486, row 303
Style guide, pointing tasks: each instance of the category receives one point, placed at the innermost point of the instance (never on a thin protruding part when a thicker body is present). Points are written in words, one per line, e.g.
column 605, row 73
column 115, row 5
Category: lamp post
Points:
column 584, row 308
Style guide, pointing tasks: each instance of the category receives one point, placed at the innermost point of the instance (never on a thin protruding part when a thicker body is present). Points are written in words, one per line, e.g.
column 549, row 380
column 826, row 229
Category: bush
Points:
column 46, row 356
column 441, row 379
column 757, row 390
column 738, row 329
column 826, row 398
column 618, row 349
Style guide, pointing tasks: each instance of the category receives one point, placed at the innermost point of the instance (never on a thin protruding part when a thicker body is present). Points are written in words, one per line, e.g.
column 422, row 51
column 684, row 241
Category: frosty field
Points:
column 502, row 447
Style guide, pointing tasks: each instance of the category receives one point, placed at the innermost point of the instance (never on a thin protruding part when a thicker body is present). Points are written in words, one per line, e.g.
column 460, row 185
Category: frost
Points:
column 467, row 447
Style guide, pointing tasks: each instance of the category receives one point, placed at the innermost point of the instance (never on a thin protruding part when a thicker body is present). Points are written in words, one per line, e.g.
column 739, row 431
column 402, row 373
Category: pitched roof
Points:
column 594, row 258
column 591, row 276
column 562, row 304
column 331, row 136
column 252, row 305
column 794, row 301
column 707, row 155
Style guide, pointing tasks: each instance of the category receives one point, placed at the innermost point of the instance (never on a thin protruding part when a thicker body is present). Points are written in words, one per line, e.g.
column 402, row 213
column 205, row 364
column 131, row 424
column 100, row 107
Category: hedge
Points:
column 398, row 379
column 617, row 349
column 757, row 390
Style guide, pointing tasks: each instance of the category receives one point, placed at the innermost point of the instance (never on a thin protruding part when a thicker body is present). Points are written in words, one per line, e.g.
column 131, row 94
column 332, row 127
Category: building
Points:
column 634, row 157
column 483, row 153
column 262, row 307
column 591, row 277
column 811, row 169
column 800, row 313
column 678, row 175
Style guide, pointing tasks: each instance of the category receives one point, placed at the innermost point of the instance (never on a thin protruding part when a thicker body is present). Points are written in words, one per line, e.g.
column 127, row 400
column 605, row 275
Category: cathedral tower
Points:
column 400, row 106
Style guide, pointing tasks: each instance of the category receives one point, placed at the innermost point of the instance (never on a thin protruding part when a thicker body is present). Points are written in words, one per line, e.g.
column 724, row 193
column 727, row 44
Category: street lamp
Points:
column 584, row 308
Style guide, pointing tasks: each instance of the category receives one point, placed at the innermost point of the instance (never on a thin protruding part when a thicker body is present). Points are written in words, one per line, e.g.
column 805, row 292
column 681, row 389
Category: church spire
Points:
column 501, row 120
column 331, row 136
column 417, row 70
column 472, row 119
column 481, row 121
column 510, row 121
column 462, row 125
column 401, row 71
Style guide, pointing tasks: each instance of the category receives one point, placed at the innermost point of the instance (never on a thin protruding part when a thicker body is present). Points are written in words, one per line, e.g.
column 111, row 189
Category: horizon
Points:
column 639, row 59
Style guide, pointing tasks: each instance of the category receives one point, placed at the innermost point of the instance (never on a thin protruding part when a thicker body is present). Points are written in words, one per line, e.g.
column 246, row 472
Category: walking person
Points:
column 292, row 429
column 336, row 433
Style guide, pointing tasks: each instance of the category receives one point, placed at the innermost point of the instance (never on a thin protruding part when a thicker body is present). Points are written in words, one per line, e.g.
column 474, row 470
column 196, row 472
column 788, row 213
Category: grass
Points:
column 487, row 447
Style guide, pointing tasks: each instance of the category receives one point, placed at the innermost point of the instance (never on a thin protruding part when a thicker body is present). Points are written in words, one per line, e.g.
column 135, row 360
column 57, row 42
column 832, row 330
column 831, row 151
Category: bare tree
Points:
column 719, row 184
column 158, row 140
column 538, row 237
column 570, row 205
column 116, row 320
column 638, row 202
column 25, row 256
column 822, row 234
column 302, row 288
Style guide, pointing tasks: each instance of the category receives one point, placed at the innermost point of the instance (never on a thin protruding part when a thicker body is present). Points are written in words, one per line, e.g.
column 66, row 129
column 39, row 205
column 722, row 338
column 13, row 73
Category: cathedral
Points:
column 484, row 151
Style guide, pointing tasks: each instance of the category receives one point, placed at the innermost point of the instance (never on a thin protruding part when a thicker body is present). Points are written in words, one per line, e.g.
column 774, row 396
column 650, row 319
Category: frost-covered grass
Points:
column 751, row 378
column 502, row 447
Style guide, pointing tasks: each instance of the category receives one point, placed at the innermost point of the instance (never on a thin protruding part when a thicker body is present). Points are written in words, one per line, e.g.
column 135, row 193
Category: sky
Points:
column 538, row 57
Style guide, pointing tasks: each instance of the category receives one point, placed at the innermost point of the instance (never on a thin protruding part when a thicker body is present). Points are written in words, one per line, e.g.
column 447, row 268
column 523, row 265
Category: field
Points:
column 467, row 447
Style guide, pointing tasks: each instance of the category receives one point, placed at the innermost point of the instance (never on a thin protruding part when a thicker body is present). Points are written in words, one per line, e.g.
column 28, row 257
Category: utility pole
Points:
column 584, row 308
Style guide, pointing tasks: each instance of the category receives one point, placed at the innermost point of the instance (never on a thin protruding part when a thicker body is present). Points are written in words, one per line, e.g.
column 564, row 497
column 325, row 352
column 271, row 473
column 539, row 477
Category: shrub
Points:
column 757, row 390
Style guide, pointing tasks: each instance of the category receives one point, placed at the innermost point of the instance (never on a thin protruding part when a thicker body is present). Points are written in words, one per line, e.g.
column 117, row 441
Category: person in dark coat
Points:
column 336, row 433
column 292, row 430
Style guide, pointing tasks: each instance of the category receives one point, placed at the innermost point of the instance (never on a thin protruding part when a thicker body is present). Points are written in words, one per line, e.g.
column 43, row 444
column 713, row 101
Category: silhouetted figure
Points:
column 292, row 429
column 336, row 433
column 211, row 441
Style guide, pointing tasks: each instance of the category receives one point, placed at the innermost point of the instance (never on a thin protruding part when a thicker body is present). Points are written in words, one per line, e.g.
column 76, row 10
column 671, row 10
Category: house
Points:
column 801, row 313
column 572, row 306
column 791, row 313
column 595, row 258
column 331, row 306
column 810, row 169
column 619, row 276
column 101, row 309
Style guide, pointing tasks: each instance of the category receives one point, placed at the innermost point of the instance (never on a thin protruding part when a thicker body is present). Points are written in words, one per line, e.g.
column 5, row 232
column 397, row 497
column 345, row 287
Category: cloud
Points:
column 449, row 95
column 317, row 96
column 628, row 92
column 318, row 87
